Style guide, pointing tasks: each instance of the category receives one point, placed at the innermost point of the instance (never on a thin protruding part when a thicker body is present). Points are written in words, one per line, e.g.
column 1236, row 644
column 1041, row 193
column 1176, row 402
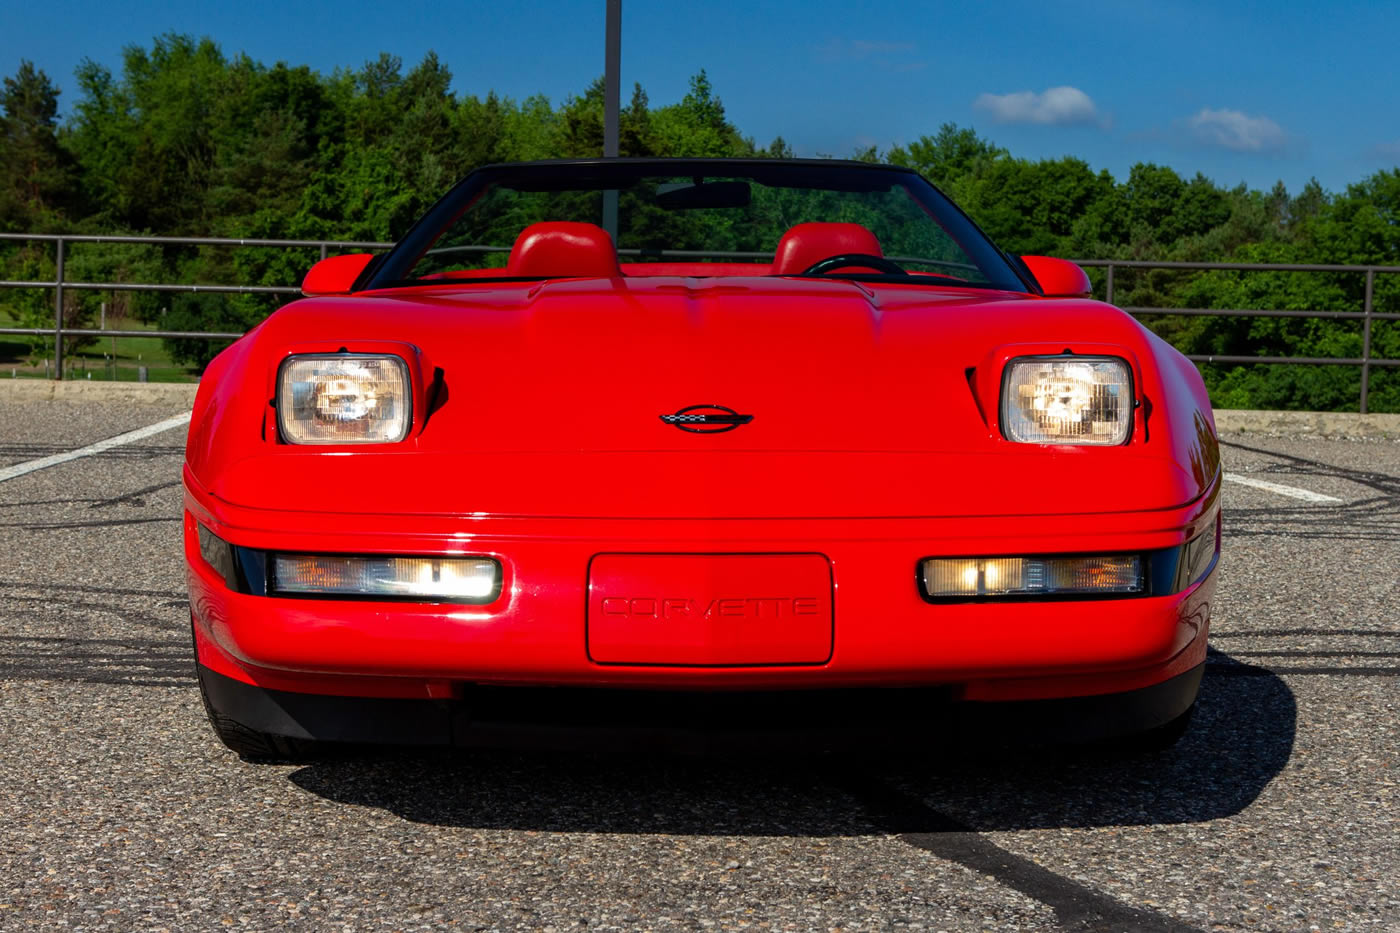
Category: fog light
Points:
column 964, row 577
column 454, row 579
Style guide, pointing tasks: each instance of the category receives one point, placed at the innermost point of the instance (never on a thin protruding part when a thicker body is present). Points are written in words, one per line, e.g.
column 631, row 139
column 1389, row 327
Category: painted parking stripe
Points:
column 29, row 466
column 1307, row 495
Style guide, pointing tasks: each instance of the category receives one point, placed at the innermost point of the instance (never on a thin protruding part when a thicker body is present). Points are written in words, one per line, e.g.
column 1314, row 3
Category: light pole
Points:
column 612, row 89
column 612, row 86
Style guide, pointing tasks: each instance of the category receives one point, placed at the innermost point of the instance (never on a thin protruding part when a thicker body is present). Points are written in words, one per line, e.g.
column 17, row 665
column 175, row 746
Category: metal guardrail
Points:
column 1368, row 315
column 60, row 284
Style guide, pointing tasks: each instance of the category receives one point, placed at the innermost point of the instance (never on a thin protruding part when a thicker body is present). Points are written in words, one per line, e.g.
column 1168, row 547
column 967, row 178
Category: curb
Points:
column 1315, row 423
column 82, row 390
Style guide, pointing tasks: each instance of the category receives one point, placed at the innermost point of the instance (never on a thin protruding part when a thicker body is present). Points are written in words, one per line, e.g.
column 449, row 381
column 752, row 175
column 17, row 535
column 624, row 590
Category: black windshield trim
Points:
column 870, row 277
column 835, row 174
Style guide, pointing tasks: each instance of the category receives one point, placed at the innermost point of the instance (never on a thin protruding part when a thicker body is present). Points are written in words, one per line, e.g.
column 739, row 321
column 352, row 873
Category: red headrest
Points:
column 563, row 249
column 807, row 244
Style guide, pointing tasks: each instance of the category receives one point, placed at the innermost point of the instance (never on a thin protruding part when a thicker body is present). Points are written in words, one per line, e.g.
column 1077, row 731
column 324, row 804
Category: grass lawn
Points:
column 106, row 358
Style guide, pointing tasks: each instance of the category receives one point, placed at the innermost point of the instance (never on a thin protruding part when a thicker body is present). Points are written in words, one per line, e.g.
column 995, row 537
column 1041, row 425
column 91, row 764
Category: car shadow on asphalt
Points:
column 1241, row 738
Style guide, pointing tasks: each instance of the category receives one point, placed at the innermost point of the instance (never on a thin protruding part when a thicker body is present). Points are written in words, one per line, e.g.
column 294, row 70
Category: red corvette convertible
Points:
column 602, row 435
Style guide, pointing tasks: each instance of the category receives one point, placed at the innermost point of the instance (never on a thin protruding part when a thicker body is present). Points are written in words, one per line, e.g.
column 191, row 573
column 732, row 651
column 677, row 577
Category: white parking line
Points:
column 29, row 466
column 1306, row 495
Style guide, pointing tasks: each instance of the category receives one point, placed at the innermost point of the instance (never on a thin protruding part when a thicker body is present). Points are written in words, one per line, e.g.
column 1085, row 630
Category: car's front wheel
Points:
column 252, row 745
column 1161, row 739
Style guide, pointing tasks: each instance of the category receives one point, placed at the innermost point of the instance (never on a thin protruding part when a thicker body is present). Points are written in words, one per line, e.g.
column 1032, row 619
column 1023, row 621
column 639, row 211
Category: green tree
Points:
column 949, row 158
column 36, row 177
column 697, row 127
column 183, row 140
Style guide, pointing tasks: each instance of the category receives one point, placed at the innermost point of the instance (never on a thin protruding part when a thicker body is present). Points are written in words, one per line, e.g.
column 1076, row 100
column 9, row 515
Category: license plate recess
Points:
column 710, row 610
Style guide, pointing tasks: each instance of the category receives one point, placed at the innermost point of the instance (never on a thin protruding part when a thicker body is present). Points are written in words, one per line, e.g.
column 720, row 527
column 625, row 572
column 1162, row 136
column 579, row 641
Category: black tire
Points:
column 1154, row 741
column 252, row 745
column 1166, row 736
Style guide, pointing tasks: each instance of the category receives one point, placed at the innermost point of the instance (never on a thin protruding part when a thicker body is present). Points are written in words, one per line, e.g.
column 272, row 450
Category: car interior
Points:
column 574, row 249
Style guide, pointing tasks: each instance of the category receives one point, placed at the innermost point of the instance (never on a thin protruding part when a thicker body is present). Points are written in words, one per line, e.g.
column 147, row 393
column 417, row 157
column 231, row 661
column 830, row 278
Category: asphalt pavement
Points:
column 119, row 809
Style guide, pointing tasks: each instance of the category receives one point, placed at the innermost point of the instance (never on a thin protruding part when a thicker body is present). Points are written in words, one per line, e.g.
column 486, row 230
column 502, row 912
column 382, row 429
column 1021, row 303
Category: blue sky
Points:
column 1241, row 92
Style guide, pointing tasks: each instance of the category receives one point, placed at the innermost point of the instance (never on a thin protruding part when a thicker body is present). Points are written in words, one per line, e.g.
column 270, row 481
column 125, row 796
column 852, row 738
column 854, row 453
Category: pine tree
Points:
column 35, row 172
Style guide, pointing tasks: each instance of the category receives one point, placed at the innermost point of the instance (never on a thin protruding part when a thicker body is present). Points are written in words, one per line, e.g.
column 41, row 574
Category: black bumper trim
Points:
column 582, row 718
column 371, row 720
column 1090, row 718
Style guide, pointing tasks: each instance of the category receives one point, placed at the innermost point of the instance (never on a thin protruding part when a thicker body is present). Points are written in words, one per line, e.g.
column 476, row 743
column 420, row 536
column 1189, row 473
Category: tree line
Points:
column 187, row 141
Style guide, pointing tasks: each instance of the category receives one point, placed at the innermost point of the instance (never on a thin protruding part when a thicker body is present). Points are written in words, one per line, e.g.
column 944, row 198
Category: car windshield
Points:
column 696, row 218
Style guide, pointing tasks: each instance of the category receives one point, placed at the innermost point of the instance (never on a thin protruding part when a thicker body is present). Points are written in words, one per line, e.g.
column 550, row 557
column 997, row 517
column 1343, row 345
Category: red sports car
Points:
column 604, row 434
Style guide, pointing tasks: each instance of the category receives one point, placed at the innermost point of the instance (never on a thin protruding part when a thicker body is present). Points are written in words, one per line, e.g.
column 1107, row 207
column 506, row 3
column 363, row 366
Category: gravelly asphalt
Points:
column 119, row 810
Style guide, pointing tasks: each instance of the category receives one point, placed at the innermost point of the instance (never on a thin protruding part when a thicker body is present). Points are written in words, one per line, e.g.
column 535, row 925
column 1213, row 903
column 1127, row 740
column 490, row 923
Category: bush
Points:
column 207, row 312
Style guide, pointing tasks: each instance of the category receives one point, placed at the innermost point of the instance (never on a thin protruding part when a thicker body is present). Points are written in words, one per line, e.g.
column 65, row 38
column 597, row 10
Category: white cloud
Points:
column 1056, row 106
column 1239, row 132
column 1386, row 150
column 886, row 56
column 864, row 47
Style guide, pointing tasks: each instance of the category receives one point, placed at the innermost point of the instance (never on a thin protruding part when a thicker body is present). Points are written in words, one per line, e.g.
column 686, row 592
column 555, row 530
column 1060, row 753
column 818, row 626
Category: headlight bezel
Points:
column 1129, row 401
column 283, row 405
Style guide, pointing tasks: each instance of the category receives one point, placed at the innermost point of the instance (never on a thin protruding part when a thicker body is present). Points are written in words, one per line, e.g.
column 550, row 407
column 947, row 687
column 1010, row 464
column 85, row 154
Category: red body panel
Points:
column 874, row 443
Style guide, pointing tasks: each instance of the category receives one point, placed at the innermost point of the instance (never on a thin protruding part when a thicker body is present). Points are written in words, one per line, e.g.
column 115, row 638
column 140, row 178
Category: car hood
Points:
column 567, row 381
column 593, row 365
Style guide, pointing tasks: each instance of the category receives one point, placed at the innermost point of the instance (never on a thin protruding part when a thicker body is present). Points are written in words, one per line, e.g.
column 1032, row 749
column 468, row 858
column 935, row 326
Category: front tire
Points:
column 1161, row 739
column 252, row 745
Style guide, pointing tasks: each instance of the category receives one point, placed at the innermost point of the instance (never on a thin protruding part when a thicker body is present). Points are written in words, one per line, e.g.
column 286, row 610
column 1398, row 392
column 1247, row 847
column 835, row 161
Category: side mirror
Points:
column 334, row 275
column 1059, row 278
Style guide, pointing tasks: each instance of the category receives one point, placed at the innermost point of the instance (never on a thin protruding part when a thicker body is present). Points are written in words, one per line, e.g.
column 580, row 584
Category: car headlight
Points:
column 1067, row 400
column 343, row 398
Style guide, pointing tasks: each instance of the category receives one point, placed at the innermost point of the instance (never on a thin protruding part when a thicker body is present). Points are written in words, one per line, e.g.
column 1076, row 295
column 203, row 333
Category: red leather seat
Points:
column 807, row 244
column 563, row 249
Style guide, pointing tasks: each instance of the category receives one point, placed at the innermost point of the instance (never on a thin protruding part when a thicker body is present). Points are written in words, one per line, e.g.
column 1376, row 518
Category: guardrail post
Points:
column 1108, row 285
column 1366, row 338
column 58, row 313
column 323, row 251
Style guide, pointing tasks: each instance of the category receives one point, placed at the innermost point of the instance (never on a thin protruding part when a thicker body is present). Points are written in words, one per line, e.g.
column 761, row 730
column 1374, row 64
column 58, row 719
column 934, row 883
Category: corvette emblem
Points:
column 706, row 419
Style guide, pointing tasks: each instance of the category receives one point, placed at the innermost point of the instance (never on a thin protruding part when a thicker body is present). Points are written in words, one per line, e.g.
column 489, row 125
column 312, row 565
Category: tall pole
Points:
column 612, row 86
column 612, row 89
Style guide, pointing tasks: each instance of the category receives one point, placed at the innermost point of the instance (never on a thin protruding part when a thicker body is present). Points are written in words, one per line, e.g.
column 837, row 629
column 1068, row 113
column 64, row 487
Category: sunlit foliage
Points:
column 185, row 140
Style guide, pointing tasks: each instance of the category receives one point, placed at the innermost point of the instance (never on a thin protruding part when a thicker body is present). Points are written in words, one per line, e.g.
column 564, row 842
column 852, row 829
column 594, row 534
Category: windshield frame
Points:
column 392, row 271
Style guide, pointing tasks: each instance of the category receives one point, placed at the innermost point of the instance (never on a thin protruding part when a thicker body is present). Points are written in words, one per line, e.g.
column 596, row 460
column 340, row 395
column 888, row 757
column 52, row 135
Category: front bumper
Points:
column 598, row 719
column 885, row 633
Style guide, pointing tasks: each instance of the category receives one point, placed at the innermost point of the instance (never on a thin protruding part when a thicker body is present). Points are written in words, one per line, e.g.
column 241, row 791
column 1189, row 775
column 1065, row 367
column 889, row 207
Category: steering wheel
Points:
column 842, row 260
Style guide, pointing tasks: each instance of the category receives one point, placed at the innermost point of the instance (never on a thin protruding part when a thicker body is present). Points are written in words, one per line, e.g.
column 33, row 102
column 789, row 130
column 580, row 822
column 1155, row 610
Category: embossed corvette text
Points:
column 752, row 607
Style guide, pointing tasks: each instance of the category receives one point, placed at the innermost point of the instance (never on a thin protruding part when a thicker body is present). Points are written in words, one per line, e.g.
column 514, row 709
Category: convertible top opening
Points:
column 717, row 217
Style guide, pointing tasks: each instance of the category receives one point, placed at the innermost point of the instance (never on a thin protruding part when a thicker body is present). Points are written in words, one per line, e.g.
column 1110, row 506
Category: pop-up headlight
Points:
column 343, row 398
column 1067, row 400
